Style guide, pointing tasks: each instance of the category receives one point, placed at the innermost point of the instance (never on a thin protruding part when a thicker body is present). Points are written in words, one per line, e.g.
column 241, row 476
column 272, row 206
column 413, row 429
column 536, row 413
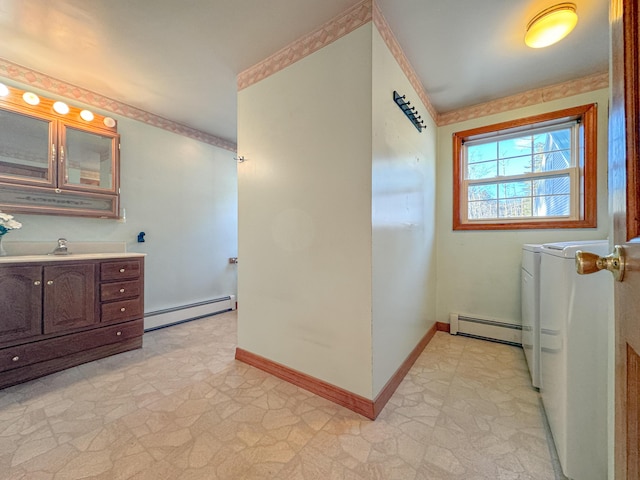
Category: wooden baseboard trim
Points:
column 391, row 386
column 338, row 395
column 356, row 403
column 443, row 327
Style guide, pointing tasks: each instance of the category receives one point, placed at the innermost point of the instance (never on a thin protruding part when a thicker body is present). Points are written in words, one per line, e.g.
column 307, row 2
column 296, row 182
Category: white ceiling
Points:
column 179, row 58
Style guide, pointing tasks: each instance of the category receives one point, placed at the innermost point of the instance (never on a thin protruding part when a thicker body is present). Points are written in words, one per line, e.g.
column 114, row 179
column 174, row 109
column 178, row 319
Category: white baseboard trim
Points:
column 185, row 313
column 486, row 328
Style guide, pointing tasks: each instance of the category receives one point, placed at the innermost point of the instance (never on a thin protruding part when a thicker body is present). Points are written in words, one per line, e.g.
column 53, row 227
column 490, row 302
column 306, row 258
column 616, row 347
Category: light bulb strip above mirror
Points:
column 56, row 108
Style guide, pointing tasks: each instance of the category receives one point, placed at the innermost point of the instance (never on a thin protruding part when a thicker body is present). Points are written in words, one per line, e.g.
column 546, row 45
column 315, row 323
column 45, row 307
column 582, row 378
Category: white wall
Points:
column 179, row 191
column 403, row 219
column 479, row 272
column 305, row 215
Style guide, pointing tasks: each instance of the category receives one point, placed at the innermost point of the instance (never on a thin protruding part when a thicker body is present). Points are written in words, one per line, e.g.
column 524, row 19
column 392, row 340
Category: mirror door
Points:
column 27, row 149
column 88, row 160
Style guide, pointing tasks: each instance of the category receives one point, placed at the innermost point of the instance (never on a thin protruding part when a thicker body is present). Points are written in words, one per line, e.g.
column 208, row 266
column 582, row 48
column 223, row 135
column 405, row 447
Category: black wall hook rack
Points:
column 409, row 111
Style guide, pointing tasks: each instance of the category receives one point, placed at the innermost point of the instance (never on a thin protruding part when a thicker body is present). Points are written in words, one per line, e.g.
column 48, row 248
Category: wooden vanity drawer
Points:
column 121, row 311
column 119, row 291
column 12, row 357
column 120, row 270
column 45, row 350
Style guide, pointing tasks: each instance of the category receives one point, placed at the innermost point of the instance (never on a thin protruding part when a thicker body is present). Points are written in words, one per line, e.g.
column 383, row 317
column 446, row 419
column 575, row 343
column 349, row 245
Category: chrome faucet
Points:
column 62, row 248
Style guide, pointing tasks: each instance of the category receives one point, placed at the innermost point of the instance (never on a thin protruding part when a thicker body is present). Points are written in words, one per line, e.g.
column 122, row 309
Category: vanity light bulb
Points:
column 61, row 107
column 86, row 115
column 109, row 122
column 31, row 98
column 4, row 90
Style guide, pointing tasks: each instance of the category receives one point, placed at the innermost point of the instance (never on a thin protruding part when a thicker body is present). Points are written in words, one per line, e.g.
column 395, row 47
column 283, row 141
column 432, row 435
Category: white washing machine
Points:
column 530, row 294
column 573, row 338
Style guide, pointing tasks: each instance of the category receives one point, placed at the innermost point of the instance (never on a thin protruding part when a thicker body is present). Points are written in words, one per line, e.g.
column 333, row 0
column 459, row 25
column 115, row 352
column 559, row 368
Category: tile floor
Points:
column 183, row 408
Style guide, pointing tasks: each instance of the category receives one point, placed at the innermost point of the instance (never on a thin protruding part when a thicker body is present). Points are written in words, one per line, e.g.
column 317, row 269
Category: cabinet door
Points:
column 69, row 297
column 27, row 149
column 20, row 303
column 88, row 160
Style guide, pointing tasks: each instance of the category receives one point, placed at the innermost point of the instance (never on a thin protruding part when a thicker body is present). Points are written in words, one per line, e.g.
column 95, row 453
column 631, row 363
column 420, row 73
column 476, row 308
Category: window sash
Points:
column 574, row 197
column 573, row 172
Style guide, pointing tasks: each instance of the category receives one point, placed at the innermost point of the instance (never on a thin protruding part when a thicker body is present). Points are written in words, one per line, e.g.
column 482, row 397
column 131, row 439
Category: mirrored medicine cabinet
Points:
column 56, row 159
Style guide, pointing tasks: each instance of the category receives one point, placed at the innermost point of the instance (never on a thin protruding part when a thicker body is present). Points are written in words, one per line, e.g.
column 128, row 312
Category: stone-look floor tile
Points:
column 183, row 408
column 85, row 464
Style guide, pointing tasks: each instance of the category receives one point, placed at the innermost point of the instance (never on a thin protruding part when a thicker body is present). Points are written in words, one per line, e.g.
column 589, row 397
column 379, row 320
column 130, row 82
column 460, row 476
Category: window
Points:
column 536, row 172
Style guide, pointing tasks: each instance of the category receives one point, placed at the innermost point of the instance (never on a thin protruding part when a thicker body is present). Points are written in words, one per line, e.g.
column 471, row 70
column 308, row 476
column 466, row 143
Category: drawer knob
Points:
column 118, row 333
column 37, row 282
column 122, row 309
column 122, row 270
column 49, row 282
column 122, row 290
column 15, row 359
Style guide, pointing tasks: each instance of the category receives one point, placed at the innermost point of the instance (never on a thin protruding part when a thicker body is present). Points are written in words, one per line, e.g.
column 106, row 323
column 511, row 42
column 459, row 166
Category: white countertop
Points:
column 71, row 257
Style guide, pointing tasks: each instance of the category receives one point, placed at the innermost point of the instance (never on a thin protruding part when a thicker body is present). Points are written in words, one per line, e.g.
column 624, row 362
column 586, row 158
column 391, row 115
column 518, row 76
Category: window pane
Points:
column 515, row 147
column 552, row 141
column 552, row 186
column 477, row 171
column 558, row 160
column 483, row 192
column 483, row 209
column 483, row 152
column 556, row 206
column 515, row 208
column 515, row 166
column 537, row 163
column 558, row 139
column 515, row 189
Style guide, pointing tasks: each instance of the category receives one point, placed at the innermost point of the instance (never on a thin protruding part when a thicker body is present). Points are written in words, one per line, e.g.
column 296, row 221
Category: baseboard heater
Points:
column 186, row 313
column 485, row 328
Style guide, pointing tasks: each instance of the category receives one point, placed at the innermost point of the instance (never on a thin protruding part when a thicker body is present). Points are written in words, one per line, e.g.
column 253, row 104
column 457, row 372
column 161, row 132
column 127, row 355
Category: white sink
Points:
column 75, row 249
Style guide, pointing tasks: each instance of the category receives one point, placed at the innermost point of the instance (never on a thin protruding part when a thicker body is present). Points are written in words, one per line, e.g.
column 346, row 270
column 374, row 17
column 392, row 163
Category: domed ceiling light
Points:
column 551, row 25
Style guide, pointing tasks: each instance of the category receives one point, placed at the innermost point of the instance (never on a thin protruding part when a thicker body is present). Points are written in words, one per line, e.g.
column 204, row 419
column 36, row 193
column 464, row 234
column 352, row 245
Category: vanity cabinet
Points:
column 69, row 297
column 61, row 313
column 20, row 303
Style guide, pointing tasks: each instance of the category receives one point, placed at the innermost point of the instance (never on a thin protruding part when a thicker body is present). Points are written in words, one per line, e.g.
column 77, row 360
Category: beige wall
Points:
column 403, row 219
column 479, row 272
column 304, row 275
column 336, row 216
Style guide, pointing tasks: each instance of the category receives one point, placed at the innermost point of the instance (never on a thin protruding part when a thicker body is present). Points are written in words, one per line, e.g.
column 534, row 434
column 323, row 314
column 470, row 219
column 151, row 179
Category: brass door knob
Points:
column 587, row 263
